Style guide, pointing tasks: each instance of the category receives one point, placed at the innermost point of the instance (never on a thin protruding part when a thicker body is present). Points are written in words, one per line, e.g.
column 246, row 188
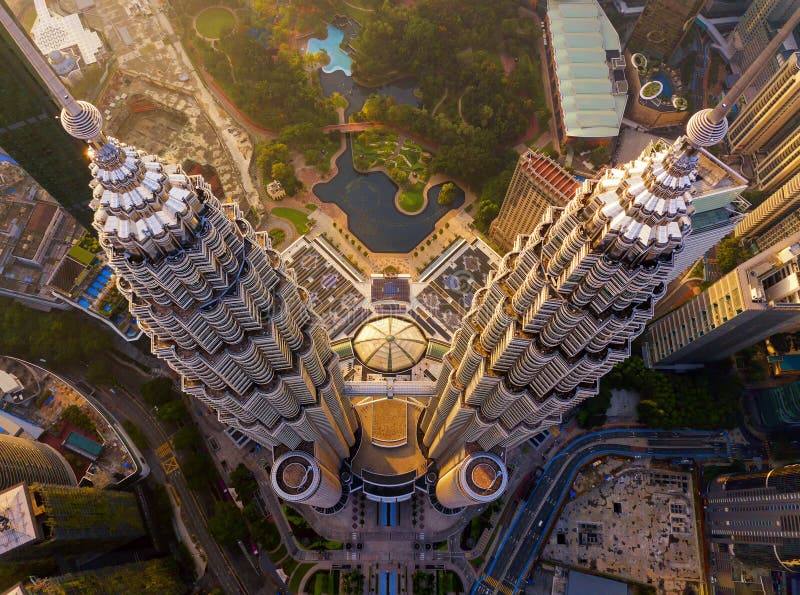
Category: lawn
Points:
column 297, row 577
column 215, row 22
column 277, row 235
column 411, row 199
column 297, row 218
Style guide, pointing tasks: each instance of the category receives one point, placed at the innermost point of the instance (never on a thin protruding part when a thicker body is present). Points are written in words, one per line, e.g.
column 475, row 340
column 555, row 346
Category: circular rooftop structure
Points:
column 295, row 476
column 389, row 344
column 483, row 476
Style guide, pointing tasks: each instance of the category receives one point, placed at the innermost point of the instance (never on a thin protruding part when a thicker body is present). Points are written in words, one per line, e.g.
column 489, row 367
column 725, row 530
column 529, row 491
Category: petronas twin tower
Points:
column 223, row 312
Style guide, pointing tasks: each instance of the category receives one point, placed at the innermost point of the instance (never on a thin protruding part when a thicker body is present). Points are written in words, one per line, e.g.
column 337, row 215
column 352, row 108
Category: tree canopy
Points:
column 704, row 400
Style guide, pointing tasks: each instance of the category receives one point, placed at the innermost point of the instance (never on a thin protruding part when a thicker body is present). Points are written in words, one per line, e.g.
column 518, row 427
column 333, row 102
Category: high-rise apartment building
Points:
column 753, row 33
column 28, row 460
column 757, row 299
column 662, row 25
column 40, row 521
column 776, row 209
column 772, row 113
column 781, row 163
column 31, row 134
column 757, row 515
column 537, row 183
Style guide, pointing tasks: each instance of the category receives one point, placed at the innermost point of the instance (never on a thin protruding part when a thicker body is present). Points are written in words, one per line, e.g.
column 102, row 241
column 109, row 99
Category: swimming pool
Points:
column 665, row 80
column 330, row 45
column 83, row 302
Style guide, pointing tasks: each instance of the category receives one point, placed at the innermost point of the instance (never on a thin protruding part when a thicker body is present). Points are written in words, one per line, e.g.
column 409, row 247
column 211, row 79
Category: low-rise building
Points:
column 587, row 70
column 275, row 190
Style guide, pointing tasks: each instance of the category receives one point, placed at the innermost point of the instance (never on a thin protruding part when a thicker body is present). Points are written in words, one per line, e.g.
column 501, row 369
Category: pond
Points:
column 340, row 60
column 402, row 91
column 368, row 200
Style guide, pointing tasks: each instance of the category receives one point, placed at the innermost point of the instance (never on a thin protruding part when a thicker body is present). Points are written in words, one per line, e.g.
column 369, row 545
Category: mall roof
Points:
column 585, row 50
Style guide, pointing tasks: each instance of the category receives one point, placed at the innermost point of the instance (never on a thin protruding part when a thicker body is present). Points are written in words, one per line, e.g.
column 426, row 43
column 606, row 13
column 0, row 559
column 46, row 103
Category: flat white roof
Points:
column 16, row 509
column 53, row 32
column 9, row 383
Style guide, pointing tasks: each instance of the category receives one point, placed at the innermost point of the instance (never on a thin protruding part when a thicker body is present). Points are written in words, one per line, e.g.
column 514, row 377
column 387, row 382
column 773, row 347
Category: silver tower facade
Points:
column 221, row 310
column 561, row 311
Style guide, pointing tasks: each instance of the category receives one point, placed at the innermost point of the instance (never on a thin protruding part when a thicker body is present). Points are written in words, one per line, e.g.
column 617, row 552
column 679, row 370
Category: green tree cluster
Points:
column 227, row 525
column 61, row 338
column 447, row 194
column 704, row 400
column 730, row 254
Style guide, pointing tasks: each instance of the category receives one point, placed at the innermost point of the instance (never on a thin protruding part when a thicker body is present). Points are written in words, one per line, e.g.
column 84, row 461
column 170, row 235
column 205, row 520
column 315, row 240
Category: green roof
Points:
column 82, row 255
column 83, row 443
column 580, row 37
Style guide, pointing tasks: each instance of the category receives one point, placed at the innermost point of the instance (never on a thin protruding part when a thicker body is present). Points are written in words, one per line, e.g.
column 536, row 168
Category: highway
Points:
column 528, row 531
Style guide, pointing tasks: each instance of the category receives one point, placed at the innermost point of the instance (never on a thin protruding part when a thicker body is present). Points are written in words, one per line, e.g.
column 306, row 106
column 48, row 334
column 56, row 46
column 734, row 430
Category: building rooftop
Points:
column 389, row 344
column 586, row 53
column 54, row 32
column 17, row 522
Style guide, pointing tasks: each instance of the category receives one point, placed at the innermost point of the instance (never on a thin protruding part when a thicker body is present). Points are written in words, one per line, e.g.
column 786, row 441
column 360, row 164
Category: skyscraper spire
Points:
column 565, row 305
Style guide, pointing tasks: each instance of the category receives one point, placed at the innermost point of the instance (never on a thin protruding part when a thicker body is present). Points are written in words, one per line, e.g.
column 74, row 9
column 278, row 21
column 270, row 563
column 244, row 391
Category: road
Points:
column 125, row 406
column 528, row 531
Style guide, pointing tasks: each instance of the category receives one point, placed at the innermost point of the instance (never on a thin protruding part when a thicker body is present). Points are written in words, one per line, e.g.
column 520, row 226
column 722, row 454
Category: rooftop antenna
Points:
column 709, row 126
column 79, row 118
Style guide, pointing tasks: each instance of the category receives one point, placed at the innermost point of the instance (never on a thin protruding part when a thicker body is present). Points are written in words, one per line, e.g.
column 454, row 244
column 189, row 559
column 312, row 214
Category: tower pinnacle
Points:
column 709, row 126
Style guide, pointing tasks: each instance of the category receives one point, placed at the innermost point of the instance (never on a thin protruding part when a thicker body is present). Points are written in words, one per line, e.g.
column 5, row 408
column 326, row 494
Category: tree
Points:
column 227, row 525
column 398, row 176
column 100, row 372
column 730, row 254
column 599, row 156
column 173, row 412
column 447, row 194
column 244, row 483
column 187, row 438
column 158, row 391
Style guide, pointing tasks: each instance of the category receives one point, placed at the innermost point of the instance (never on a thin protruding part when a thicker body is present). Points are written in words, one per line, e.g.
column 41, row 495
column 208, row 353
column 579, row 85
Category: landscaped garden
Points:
column 405, row 161
column 297, row 218
column 215, row 22
column 277, row 235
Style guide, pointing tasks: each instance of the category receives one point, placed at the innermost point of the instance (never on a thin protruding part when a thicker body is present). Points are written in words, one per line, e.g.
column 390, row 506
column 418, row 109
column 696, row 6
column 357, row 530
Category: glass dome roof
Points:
column 389, row 344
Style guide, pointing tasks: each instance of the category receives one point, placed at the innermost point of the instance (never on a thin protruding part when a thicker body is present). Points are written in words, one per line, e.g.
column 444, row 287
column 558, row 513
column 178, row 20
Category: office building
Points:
column 757, row 299
column 537, row 183
column 40, row 521
column 219, row 308
column 587, row 70
column 780, row 164
column 662, row 26
column 753, row 33
column 31, row 134
column 717, row 206
column 757, row 515
column 28, row 460
column 560, row 312
column 776, row 209
column 772, row 114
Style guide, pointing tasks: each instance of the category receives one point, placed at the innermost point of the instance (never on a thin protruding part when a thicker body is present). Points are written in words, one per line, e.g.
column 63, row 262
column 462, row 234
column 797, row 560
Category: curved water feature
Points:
column 368, row 200
column 340, row 60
